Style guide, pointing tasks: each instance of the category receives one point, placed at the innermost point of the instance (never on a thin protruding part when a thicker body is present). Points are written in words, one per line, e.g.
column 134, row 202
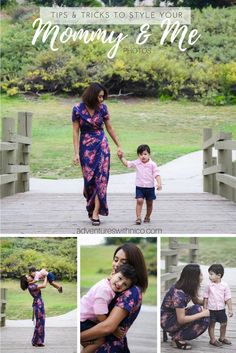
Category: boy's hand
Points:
column 159, row 187
column 119, row 332
column 230, row 313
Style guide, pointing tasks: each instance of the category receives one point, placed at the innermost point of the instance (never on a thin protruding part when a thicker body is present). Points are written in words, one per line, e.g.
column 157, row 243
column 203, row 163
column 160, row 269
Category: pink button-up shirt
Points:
column 145, row 172
column 96, row 301
column 217, row 294
column 40, row 274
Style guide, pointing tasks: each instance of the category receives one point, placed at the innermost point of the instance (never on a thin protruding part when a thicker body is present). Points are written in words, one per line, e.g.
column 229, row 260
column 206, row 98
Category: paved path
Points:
column 66, row 320
column 60, row 337
column 57, row 340
column 27, row 213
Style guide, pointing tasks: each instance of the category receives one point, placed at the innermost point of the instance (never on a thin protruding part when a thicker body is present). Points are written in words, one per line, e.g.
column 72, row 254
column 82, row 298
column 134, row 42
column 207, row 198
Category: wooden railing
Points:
column 14, row 150
column 219, row 173
column 171, row 256
column 3, row 301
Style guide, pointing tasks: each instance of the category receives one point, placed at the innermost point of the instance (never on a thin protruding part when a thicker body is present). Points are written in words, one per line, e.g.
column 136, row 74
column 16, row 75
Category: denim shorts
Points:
column 218, row 316
column 51, row 277
column 145, row 193
column 85, row 325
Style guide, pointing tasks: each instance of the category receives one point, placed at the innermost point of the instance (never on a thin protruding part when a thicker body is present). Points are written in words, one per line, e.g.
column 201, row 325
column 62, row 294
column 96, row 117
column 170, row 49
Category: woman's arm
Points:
column 197, row 300
column 75, row 125
column 106, row 327
column 185, row 319
column 112, row 133
column 44, row 285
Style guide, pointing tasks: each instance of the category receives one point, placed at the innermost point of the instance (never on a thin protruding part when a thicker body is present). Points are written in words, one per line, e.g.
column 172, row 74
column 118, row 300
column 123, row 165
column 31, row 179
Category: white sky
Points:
column 90, row 239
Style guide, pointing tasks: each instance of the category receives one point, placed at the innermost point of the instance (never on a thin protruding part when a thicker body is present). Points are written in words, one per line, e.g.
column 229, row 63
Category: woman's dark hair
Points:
column 135, row 258
column 143, row 148
column 24, row 283
column 189, row 280
column 128, row 271
column 218, row 269
column 90, row 95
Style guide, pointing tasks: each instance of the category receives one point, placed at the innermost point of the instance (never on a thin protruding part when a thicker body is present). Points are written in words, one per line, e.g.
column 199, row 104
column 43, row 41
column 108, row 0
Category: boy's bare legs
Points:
column 57, row 286
column 223, row 339
column 211, row 331
column 91, row 348
column 149, row 204
column 139, row 206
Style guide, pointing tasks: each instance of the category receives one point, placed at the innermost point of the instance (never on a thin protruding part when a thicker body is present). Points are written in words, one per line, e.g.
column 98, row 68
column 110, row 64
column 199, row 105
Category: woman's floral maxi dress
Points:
column 94, row 154
column 176, row 298
column 131, row 301
column 38, row 314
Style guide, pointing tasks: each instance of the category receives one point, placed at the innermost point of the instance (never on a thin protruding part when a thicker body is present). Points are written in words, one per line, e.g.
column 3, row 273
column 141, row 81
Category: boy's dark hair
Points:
column 218, row 269
column 128, row 271
column 143, row 148
column 24, row 283
column 32, row 269
column 90, row 95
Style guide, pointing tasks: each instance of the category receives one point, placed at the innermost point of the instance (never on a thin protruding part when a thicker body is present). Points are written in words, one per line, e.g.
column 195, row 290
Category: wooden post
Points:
column 24, row 129
column 225, row 159
column 193, row 253
column 207, row 161
column 215, row 184
column 3, row 300
column 7, row 157
column 171, row 260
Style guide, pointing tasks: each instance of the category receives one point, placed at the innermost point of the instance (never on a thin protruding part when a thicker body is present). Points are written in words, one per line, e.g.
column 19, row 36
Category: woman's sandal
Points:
column 216, row 343
column 138, row 221
column 185, row 346
column 95, row 222
column 225, row 341
column 147, row 219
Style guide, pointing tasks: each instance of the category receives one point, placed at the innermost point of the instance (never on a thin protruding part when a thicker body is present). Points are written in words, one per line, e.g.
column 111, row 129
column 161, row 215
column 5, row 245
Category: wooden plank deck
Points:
column 201, row 344
column 34, row 213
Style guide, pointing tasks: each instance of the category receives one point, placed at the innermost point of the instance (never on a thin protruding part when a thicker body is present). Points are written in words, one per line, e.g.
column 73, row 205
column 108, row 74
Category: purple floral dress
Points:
column 176, row 298
column 39, row 314
column 94, row 154
column 131, row 301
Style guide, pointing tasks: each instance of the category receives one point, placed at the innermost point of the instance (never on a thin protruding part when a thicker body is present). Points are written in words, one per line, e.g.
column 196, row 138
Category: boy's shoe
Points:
column 60, row 290
column 138, row 221
column 225, row 341
column 146, row 219
column 216, row 343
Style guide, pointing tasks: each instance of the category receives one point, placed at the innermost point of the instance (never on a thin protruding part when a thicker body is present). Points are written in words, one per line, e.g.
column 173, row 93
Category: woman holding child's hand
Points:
column 91, row 148
column 183, row 322
column 124, row 308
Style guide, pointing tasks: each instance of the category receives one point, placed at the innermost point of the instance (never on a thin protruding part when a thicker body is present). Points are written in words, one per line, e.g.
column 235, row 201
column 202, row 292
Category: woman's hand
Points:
column 76, row 160
column 120, row 332
column 120, row 152
column 205, row 313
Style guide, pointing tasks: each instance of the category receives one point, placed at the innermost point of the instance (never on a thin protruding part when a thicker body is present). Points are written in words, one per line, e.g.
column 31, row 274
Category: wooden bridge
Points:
column 48, row 213
column 32, row 213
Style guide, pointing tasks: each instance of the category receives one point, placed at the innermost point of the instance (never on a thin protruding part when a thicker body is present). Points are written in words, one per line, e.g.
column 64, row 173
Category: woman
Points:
column 182, row 322
column 38, row 308
column 93, row 151
column 125, row 307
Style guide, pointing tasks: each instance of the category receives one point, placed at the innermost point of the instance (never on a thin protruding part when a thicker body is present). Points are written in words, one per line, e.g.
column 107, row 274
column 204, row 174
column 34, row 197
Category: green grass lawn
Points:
column 211, row 250
column 171, row 129
column 19, row 303
column 95, row 264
